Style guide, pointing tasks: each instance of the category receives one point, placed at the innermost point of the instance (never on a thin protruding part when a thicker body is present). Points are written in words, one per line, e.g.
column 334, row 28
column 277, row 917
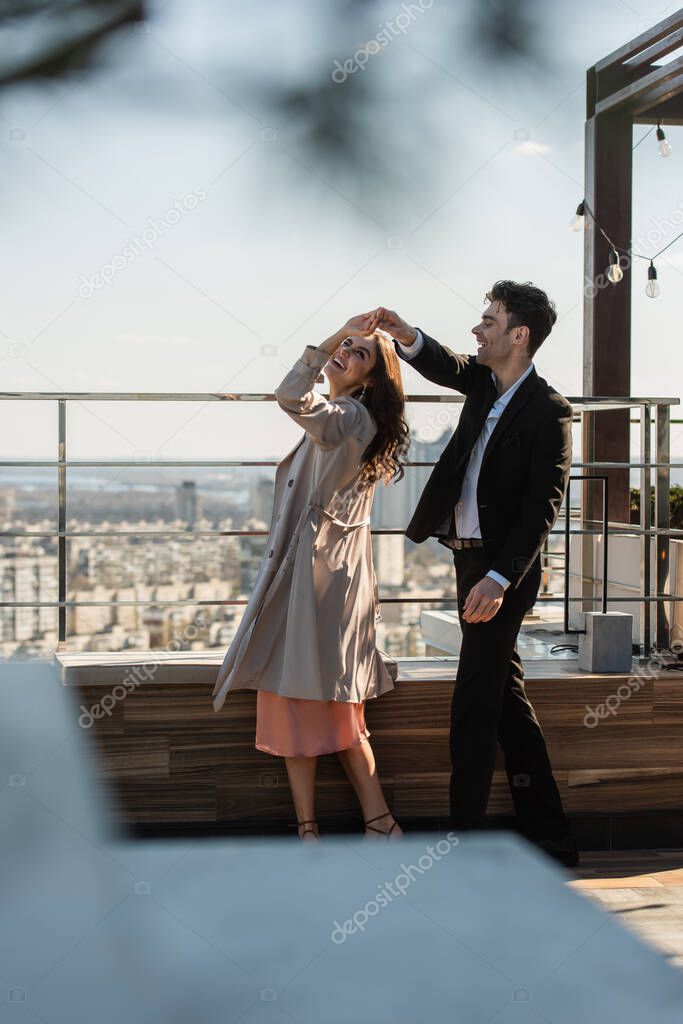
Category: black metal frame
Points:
column 567, row 534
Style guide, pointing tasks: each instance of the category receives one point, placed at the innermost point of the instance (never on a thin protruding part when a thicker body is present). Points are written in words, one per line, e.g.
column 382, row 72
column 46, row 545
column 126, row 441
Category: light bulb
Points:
column 614, row 271
column 578, row 221
column 663, row 143
column 652, row 286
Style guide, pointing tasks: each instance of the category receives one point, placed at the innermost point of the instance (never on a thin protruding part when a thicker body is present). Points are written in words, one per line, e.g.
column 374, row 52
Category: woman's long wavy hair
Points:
column 384, row 397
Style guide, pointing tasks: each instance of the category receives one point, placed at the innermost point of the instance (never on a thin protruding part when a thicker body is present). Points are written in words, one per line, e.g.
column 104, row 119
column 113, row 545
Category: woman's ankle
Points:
column 308, row 830
column 383, row 824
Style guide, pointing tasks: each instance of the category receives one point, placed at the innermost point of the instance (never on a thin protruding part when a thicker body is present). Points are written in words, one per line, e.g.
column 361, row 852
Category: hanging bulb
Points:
column 664, row 145
column 614, row 271
column 578, row 221
column 652, row 286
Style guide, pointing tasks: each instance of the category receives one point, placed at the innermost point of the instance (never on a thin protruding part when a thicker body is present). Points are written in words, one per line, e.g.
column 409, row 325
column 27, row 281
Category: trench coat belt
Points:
column 338, row 522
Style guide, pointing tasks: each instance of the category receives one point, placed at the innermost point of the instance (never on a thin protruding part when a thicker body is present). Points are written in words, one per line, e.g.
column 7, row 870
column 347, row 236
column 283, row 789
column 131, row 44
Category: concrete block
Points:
column 606, row 645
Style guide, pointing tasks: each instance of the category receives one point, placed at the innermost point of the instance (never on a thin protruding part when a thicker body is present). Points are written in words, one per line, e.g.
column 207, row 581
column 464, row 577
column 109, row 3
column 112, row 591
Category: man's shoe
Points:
column 565, row 851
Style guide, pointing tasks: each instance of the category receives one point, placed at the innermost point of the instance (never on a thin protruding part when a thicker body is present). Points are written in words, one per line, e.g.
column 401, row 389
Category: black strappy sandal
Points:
column 312, row 821
column 381, row 831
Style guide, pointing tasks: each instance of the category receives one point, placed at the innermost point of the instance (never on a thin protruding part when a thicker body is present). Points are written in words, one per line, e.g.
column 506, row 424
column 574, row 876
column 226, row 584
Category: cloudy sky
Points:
column 252, row 250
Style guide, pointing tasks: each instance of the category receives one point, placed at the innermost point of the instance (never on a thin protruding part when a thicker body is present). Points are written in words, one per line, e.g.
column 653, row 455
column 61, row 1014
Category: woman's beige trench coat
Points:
column 308, row 630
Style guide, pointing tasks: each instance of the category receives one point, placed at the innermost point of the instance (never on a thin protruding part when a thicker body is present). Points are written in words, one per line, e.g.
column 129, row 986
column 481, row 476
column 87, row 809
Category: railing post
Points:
column 663, row 519
column 646, row 523
column 567, row 536
column 61, row 523
column 589, row 505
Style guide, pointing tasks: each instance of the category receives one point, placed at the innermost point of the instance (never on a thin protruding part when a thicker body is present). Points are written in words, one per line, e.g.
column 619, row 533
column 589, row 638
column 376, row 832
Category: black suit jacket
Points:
column 524, row 471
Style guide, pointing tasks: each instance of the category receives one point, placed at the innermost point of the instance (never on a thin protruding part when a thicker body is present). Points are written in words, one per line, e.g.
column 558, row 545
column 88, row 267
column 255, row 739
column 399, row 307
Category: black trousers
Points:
column 490, row 706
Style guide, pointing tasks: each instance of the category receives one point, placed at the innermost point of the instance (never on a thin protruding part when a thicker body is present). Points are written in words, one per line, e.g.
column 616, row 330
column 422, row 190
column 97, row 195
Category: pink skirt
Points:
column 294, row 727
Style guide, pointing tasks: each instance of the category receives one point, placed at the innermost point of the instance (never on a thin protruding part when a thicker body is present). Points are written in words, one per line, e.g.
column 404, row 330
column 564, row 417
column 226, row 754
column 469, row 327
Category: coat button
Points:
column 289, row 483
column 270, row 554
column 278, row 518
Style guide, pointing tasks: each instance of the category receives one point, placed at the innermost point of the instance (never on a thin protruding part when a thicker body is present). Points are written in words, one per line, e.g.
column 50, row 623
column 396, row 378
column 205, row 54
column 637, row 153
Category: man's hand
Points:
column 386, row 320
column 483, row 601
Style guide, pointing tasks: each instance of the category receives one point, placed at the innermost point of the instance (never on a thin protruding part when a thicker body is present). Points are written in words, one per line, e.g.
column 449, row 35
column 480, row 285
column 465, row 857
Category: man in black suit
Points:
column 492, row 498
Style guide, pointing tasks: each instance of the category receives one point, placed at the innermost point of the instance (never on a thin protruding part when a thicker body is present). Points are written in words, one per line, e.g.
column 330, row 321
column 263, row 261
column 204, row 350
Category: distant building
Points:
column 27, row 577
column 389, row 557
column 187, row 502
column 91, row 618
column 128, row 616
column 394, row 505
column 424, row 451
column 8, row 497
column 262, row 497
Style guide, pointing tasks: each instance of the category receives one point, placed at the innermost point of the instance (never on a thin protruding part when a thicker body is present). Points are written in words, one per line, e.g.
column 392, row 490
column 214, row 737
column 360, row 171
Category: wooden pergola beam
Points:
column 662, row 48
column 659, row 85
column 668, row 111
column 646, row 41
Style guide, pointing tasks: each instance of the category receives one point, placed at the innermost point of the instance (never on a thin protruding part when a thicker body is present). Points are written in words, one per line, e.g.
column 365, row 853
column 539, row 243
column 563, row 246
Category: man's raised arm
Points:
column 434, row 361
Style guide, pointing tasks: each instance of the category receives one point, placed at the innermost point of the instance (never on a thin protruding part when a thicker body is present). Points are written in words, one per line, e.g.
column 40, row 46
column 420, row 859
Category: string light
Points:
column 614, row 271
column 579, row 221
column 664, row 145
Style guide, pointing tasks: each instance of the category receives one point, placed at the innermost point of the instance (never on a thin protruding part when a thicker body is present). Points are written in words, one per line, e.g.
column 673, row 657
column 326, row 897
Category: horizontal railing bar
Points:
column 142, row 463
column 263, row 463
column 151, row 603
column 581, row 401
column 627, row 465
column 621, row 528
column 187, row 534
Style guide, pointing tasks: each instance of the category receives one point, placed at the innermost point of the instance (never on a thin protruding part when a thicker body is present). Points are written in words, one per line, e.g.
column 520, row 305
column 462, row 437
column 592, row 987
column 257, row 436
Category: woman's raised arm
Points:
column 328, row 422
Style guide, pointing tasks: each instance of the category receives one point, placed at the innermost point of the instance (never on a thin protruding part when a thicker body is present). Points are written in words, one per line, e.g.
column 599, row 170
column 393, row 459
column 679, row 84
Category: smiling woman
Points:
column 307, row 639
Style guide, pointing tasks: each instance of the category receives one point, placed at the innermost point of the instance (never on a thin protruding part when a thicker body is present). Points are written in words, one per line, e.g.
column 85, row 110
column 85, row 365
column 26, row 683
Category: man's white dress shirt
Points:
column 466, row 508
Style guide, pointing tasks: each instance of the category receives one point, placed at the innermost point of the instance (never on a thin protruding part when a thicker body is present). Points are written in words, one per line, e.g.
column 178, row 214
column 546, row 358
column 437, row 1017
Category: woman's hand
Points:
column 361, row 324
column 358, row 325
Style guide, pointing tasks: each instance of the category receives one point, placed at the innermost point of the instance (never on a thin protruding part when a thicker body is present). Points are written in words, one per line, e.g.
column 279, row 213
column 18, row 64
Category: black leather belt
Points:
column 458, row 543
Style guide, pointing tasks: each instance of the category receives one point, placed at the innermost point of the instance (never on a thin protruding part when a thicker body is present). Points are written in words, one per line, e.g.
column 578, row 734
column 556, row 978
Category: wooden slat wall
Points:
column 172, row 759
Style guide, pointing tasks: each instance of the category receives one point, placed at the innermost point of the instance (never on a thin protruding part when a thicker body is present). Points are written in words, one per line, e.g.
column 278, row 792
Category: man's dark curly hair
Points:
column 526, row 306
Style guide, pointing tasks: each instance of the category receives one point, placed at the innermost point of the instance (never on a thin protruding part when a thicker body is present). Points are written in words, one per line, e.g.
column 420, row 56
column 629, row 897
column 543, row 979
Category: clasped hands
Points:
column 382, row 319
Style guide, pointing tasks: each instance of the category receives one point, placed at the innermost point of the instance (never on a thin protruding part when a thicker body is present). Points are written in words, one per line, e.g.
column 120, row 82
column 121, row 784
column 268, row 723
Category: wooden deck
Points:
column 644, row 889
column 174, row 761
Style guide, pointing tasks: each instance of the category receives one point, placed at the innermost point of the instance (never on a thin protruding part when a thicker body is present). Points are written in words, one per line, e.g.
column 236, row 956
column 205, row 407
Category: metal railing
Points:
column 651, row 590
